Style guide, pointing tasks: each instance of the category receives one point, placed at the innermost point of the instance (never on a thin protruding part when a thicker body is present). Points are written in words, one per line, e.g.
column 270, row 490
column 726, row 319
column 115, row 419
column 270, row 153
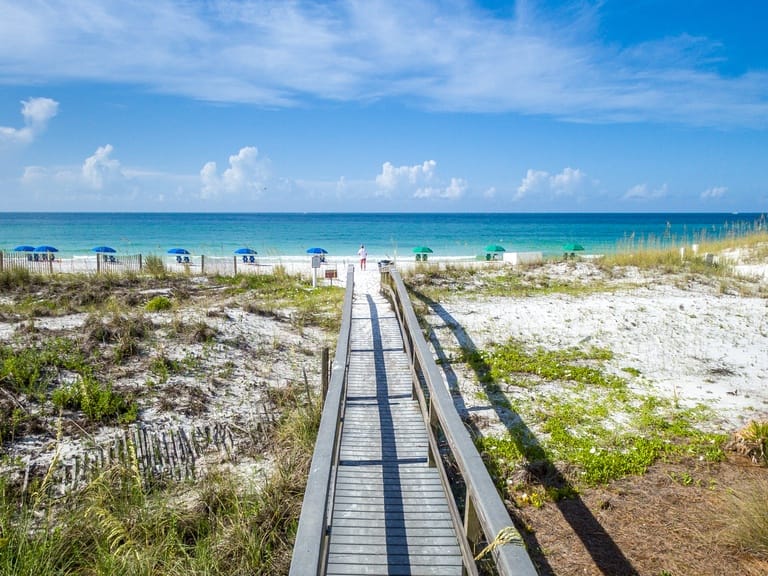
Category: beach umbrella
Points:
column 317, row 251
column 103, row 250
column 245, row 251
column 495, row 248
column 46, row 248
column 422, row 250
column 24, row 248
column 178, row 251
column 573, row 247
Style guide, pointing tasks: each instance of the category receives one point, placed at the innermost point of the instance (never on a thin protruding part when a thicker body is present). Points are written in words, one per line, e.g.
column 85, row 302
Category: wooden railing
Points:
column 311, row 537
column 484, row 515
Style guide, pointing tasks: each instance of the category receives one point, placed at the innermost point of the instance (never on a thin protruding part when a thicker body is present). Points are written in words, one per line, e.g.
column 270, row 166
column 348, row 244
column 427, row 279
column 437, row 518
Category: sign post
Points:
column 315, row 266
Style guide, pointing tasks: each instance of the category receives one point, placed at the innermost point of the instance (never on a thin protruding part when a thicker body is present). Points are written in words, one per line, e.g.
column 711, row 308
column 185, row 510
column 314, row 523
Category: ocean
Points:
column 385, row 236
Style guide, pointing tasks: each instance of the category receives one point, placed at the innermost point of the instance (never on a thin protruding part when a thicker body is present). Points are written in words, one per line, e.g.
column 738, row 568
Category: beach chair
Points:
column 186, row 259
column 37, row 257
column 112, row 260
column 245, row 259
column 29, row 257
column 252, row 259
column 178, row 259
column 52, row 257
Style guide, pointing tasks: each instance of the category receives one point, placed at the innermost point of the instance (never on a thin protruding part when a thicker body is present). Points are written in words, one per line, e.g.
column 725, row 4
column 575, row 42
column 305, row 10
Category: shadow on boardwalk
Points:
column 605, row 553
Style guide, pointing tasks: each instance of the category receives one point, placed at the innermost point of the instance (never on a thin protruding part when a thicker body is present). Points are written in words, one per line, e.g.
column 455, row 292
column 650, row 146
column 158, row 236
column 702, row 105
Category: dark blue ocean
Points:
column 385, row 235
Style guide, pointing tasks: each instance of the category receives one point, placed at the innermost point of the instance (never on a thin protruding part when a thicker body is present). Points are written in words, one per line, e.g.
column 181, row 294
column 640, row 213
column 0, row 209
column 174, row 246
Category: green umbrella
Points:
column 495, row 248
column 422, row 250
column 573, row 247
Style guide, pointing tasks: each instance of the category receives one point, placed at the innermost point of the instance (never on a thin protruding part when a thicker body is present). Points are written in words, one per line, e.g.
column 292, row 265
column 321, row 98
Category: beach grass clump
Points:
column 154, row 265
column 752, row 441
column 15, row 277
column 746, row 519
column 595, row 426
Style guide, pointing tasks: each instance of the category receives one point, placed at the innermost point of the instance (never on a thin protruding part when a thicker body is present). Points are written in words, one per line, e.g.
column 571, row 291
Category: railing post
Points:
column 472, row 529
column 432, row 458
column 324, row 376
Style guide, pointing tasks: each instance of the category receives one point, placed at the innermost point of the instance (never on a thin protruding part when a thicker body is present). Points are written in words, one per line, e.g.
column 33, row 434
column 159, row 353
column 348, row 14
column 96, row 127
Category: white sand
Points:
column 690, row 343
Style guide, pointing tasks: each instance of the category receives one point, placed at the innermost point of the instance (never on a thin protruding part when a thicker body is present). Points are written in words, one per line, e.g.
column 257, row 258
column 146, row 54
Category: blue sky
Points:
column 442, row 106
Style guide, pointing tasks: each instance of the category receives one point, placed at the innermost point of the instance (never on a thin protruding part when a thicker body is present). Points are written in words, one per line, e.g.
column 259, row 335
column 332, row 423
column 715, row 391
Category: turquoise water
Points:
column 385, row 235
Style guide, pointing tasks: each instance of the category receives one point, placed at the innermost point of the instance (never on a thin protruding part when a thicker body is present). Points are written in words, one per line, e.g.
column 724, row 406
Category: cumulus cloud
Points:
column 100, row 167
column 36, row 112
column 454, row 190
column 247, row 174
column 542, row 183
column 419, row 181
column 394, row 177
column 644, row 192
column 714, row 192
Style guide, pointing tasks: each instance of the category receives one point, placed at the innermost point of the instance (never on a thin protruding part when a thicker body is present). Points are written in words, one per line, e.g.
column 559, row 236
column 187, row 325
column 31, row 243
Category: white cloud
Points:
column 36, row 113
column 247, row 174
column 541, row 183
column 274, row 53
column 453, row 191
column 394, row 177
column 644, row 192
column 99, row 168
column 419, row 180
column 714, row 192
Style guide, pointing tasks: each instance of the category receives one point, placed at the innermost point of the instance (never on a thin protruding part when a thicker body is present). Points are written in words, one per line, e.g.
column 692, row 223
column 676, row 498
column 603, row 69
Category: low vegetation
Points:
column 87, row 352
column 219, row 525
column 594, row 426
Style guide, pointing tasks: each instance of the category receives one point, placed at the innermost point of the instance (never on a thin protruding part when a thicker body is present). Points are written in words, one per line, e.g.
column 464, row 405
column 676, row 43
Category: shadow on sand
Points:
column 606, row 555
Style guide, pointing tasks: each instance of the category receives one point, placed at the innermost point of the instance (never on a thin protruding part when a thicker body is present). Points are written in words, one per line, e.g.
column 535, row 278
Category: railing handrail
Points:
column 308, row 550
column 512, row 557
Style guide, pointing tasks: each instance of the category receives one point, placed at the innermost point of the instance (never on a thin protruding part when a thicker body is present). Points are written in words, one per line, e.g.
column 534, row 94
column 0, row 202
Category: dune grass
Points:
column 222, row 524
column 746, row 520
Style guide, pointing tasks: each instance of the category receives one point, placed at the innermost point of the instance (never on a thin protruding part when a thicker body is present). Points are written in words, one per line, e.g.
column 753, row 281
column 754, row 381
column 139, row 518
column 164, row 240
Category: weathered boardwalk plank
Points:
column 390, row 514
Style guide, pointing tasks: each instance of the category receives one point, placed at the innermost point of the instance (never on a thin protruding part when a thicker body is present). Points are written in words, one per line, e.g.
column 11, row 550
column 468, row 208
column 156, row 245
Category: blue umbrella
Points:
column 245, row 251
column 178, row 251
column 24, row 248
column 317, row 251
column 45, row 248
column 104, row 249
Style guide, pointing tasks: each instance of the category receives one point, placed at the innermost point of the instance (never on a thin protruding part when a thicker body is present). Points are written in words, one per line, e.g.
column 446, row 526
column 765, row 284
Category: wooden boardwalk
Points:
column 390, row 513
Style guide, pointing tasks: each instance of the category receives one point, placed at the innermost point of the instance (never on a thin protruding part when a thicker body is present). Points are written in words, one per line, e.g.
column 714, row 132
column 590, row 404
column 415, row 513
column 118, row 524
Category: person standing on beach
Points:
column 363, row 254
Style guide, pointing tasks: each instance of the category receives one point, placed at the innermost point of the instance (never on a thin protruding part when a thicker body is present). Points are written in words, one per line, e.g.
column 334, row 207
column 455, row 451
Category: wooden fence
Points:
column 158, row 455
column 37, row 263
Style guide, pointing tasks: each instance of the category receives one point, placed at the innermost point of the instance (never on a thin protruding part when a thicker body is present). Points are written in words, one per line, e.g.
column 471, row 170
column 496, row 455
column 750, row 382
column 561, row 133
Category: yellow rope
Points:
column 505, row 536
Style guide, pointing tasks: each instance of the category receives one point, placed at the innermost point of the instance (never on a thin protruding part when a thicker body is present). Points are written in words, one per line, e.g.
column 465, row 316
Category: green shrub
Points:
column 23, row 370
column 97, row 401
column 158, row 304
